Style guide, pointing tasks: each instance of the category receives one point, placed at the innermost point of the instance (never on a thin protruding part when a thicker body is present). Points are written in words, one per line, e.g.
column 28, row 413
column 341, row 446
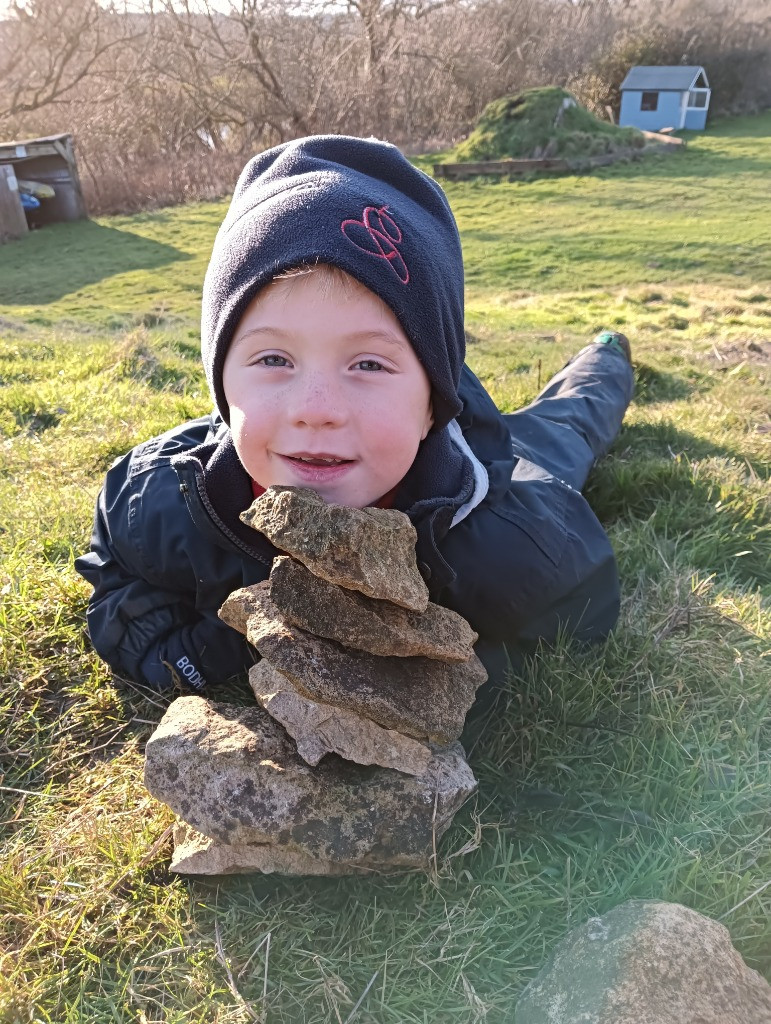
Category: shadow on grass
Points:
column 666, row 441
column 681, row 485
column 652, row 386
column 64, row 258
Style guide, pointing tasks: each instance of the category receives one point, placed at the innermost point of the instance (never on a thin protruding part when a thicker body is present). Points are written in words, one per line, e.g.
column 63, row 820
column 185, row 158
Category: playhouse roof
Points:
column 677, row 78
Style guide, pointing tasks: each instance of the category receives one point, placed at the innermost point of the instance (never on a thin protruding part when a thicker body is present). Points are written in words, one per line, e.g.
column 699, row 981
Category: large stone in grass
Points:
column 320, row 729
column 371, row 550
column 365, row 623
column 233, row 774
column 646, row 962
column 421, row 697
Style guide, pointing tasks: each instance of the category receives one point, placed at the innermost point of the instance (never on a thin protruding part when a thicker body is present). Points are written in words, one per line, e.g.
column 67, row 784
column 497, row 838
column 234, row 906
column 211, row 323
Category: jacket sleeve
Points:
column 533, row 565
column 142, row 615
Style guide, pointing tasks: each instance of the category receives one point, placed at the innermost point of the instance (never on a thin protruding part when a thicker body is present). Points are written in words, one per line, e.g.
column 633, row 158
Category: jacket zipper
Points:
column 218, row 523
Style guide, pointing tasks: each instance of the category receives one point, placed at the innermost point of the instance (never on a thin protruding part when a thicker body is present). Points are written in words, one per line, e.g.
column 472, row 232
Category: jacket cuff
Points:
column 170, row 663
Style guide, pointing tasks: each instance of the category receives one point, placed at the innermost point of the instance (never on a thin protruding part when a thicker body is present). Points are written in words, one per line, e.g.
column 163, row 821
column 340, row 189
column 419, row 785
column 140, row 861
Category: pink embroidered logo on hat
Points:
column 378, row 234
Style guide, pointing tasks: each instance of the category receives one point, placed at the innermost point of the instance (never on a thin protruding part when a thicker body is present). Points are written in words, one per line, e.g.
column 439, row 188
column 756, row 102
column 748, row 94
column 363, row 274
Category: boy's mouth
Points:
column 318, row 460
column 317, row 468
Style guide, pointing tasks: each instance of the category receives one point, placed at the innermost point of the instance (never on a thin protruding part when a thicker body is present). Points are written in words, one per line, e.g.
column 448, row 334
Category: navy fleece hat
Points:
column 357, row 204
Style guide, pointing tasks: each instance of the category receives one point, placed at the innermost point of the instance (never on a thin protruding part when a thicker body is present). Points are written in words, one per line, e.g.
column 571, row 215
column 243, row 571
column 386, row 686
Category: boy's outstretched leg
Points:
column 577, row 416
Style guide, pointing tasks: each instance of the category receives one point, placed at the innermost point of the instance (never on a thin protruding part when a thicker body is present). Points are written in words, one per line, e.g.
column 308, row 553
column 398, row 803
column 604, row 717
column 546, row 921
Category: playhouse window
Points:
column 649, row 101
column 697, row 98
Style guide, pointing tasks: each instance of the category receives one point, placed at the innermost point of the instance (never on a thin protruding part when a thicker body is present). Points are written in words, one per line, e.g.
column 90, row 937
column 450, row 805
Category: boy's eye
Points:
column 369, row 364
column 273, row 360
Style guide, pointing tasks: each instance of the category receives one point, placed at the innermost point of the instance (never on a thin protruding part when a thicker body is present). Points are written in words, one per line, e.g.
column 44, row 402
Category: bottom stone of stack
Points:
column 234, row 776
column 196, row 854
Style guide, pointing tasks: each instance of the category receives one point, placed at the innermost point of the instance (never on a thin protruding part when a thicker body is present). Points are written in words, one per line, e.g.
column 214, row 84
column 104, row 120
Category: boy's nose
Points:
column 317, row 402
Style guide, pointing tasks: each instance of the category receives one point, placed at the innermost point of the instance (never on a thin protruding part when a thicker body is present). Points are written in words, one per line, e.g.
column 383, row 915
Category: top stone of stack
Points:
column 371, row 550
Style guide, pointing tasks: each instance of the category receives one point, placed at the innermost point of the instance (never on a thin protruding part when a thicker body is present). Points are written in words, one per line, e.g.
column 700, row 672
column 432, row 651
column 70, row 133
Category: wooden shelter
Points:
column 49, row 160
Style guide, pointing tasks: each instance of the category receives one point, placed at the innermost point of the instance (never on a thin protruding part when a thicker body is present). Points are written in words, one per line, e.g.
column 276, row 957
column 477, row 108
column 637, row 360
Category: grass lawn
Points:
column 641, row 769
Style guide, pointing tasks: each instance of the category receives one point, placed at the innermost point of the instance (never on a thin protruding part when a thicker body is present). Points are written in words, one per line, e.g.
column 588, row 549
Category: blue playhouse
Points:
column 653, row 98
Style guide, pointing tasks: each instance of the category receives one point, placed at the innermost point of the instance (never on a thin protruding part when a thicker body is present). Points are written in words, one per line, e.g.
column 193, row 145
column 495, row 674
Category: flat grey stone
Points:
column 422, row 697
column 233, row 774
column 646, row 962
column 371, row 550
column 365, row 623
column 320, row 729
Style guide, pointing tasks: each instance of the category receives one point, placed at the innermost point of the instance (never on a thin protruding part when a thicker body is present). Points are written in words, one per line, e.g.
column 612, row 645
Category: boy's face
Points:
column 325, row 390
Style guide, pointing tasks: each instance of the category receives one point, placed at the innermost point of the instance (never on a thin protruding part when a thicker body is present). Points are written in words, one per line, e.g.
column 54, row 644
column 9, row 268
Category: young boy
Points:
column 333, row 343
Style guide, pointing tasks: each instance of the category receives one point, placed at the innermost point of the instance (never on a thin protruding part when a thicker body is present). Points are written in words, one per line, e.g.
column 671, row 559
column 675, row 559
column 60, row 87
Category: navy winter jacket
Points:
column 515, row 551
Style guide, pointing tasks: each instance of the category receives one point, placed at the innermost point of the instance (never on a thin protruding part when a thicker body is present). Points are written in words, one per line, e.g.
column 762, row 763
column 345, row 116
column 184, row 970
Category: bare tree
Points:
column 49, row 47
column 237, row 66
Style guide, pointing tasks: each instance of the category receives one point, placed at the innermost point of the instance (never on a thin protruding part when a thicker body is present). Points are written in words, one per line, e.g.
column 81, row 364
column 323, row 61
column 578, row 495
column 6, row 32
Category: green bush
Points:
column 535, row 124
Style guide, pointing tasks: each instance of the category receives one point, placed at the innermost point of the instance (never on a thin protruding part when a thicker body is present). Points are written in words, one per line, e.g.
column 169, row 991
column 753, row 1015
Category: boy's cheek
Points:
column 248, row 420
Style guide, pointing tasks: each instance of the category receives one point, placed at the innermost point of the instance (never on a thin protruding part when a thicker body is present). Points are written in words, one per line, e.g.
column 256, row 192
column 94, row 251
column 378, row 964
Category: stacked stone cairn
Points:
column 351, row 762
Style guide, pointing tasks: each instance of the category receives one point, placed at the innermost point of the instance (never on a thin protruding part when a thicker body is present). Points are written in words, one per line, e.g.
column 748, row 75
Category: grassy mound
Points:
column 538, row 123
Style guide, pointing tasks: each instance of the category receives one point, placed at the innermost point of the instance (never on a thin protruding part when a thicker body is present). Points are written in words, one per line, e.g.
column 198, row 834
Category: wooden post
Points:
column 64, row 147
column 13, row 222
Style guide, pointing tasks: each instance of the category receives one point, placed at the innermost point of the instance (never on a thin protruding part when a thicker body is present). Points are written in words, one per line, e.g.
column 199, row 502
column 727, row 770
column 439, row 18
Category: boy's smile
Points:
column 325, row 390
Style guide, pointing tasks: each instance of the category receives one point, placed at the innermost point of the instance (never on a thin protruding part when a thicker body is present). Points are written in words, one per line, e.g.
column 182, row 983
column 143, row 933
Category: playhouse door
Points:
column 683, row 109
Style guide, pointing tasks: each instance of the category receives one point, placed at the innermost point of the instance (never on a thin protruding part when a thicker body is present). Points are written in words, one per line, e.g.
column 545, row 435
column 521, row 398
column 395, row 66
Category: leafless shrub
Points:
column 148, row 184
column 167, row 101
column 732, row 41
